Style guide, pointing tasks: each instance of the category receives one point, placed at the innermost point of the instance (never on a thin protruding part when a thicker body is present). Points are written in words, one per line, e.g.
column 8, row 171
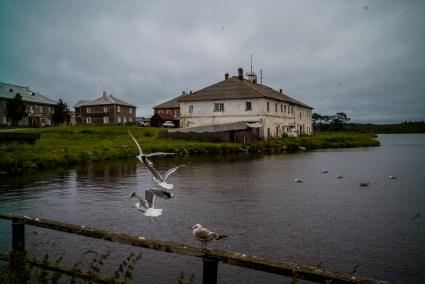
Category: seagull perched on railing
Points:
column 204, row 235
column 146, row 205
column 156, row 176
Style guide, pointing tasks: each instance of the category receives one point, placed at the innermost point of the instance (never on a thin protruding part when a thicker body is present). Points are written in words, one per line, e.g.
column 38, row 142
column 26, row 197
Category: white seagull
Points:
column 204, row 235
column 156, row 176
column 298, row 180
column 392, row 177
column 339, row 176
column 146, row 205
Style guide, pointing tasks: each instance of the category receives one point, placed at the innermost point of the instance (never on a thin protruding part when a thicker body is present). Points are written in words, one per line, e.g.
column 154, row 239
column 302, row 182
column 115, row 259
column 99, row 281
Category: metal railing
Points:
column 210, row 257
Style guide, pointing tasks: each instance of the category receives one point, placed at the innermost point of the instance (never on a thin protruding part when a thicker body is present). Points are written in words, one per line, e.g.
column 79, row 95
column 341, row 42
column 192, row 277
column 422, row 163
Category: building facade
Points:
column 39, row 107
column 236, row 99
column 168, row 111
column 105, row 110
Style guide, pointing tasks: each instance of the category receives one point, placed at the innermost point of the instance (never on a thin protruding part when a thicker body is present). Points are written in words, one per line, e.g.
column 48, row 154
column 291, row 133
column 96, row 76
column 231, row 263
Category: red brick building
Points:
column 105, row 110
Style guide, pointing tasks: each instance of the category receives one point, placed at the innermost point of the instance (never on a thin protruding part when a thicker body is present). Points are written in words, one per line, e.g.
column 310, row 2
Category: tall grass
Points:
column 71, row 145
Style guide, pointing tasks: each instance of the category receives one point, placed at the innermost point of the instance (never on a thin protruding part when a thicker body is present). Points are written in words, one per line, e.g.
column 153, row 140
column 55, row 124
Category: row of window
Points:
column 219, row 107
column 283, row 108
column 106, row 119
column 168, row 111
column 105, row 109
column 41, row 109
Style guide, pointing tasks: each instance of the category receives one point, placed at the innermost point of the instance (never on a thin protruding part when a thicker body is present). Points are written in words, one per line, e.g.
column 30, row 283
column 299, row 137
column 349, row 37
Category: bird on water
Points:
column 204, row 235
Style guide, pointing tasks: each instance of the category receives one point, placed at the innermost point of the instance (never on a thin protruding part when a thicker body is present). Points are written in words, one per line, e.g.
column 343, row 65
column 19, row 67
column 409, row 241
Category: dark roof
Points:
column 164, row 116
column 233, row 88
column 104, row 100
column 173, row 103
column 8, row 91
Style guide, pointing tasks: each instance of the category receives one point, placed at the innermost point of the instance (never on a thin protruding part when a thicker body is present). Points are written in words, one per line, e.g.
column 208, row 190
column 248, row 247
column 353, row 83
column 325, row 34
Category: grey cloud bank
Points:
column 365, row 58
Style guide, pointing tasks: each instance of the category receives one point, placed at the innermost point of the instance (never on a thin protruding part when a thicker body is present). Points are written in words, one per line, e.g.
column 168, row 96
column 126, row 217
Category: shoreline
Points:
column 66, row 146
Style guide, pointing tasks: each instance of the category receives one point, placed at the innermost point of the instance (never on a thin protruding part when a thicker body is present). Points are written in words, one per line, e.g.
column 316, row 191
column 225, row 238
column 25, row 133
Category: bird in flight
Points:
column 156, row 176
column 146, row 205
column 204, row 235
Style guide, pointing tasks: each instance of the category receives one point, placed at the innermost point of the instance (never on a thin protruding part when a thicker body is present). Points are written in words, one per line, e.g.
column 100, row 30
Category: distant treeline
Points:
column 404, row 127
column 340, row 122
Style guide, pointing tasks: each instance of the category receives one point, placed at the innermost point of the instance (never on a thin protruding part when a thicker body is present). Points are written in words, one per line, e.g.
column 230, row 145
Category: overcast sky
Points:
column 364, row 57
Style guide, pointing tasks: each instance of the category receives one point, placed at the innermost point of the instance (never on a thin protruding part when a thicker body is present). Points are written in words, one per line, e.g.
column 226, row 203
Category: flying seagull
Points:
column 141, row 156
column 204, row 235
column 146, row 205
column 298, row 180
column 392, row 177
column 156, row 176
column 339, row 176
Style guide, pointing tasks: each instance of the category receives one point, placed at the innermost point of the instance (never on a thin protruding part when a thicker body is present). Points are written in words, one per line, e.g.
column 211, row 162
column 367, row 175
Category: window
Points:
column 248, row 106
column 105, row 119
column 218, row 107
column 130, row 110
column 268, row 106
column 275, row 107
column 268, row 131
column 281, row 108
column 190, row 109
column 119, row 119
column 284, row 107
column 105, row 109
column 88, row 120
column 87, row 110
column 300, row 114
column 118, row 109
column 177, row 112
column 168, row 111
column 124, row 119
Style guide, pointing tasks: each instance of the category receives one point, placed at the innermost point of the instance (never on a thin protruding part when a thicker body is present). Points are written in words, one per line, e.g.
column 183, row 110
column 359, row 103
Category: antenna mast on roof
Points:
column 251, row 75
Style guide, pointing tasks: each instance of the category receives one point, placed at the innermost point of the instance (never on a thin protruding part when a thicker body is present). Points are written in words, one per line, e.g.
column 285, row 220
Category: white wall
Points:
column 274, row 119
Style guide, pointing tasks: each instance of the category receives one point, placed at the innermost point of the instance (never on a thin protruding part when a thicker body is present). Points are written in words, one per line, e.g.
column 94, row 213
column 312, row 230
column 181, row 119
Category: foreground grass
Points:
column 71, row 145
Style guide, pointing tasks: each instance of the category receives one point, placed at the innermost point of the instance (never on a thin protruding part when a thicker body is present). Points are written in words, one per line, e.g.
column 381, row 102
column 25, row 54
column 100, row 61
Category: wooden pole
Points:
column 17, row 255
column 18, row 237
column 210, row 268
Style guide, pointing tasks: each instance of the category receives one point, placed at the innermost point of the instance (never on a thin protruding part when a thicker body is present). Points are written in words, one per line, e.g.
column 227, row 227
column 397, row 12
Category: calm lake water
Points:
column 252, row 199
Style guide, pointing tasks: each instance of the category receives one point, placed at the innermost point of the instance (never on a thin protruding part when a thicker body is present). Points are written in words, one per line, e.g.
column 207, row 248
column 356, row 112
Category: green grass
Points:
column 72, row 145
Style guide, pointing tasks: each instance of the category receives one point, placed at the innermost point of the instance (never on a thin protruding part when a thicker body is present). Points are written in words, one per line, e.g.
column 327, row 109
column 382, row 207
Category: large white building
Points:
column 236, row 99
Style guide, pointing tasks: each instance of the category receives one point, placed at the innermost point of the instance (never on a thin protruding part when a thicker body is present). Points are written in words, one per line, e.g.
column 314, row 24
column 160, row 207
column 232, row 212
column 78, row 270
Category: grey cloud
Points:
column 362, row 57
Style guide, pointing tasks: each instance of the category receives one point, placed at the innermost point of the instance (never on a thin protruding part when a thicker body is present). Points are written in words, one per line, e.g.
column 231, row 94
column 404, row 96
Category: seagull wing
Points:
column 150, row 167
column 203, row 234
column 169, row 172
column 161, row 193
column 159, row 154
column 150, row 197
column 137, row 144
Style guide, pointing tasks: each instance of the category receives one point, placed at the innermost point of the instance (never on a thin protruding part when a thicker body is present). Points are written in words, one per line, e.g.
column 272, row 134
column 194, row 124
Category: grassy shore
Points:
column 72, row 145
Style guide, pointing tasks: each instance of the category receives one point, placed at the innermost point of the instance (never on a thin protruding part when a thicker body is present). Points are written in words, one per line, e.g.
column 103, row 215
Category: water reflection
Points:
column 254, row 200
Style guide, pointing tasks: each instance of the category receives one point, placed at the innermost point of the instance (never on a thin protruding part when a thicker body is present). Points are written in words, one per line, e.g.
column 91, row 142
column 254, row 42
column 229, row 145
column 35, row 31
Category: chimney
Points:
column 104, row 93
column 226, row 76
column 240, row 73
column 280, row 90
column 183, row 92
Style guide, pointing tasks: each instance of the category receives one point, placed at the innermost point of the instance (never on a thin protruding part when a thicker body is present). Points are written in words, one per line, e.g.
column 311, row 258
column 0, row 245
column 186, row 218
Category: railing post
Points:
column 18, row 237
column 210, row 267
column 17, row 255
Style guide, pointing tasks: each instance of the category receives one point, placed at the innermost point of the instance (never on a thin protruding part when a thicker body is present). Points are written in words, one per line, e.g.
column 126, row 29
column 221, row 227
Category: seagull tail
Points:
column 221, row 237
